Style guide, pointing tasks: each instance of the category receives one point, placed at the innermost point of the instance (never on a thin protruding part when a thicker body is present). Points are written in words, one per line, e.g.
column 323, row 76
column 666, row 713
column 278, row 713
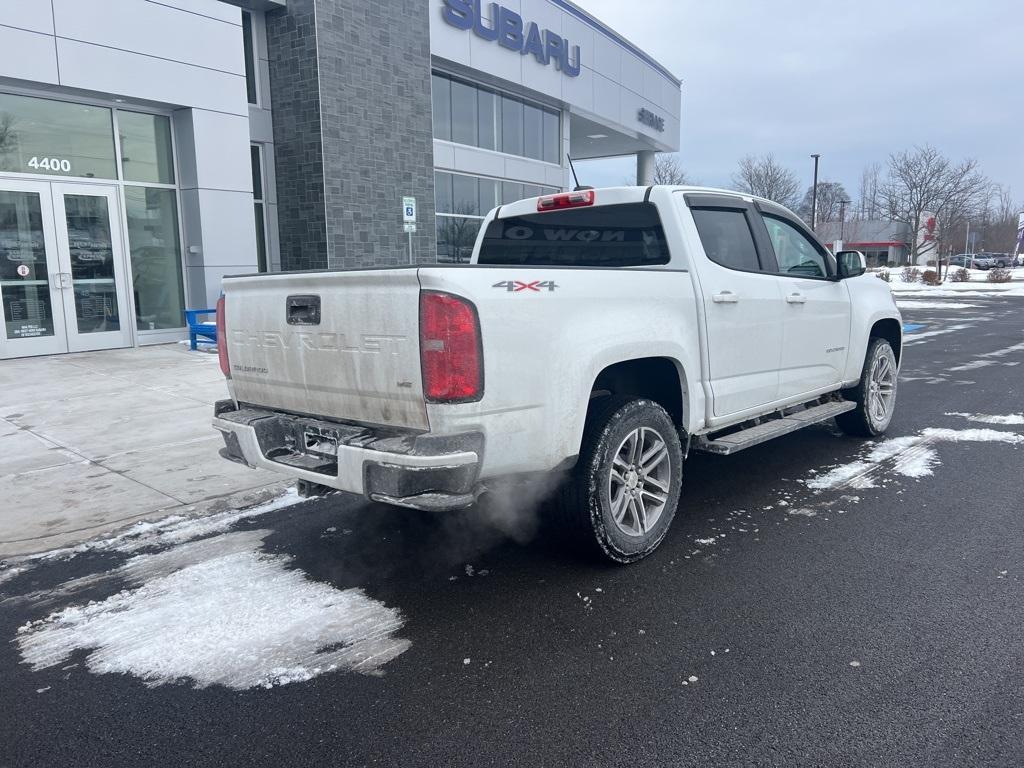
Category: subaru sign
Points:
column 510, row 31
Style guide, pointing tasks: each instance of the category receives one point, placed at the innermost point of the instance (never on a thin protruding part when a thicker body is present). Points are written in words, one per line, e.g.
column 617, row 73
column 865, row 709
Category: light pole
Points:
column 814, row 196
column 842, row 220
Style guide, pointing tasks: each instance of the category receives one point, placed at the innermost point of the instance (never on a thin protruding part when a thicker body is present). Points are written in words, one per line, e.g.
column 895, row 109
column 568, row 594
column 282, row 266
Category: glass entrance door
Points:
column 62, row 273
column 92, row 278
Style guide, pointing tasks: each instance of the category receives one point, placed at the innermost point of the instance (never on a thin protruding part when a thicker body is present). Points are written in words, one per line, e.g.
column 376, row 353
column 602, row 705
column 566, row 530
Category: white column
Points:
column 645, row 168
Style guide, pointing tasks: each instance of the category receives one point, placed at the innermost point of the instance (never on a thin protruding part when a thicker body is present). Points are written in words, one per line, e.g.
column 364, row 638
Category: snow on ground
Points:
column 978, row 285
column 220, row 611
column 1012, row 418
column 911, row 456
column 918, row 337
column 205, row 604
column 986, row 358
column 917, row 304
column 171, row 530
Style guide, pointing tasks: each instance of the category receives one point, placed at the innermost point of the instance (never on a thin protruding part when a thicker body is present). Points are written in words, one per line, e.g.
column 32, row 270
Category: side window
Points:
column 726, row 237
column 796, row 253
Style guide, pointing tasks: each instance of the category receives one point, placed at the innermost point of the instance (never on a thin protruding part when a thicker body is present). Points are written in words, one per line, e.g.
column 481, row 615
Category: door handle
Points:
column 796, row 298
column 64, row 279
column 725, row 297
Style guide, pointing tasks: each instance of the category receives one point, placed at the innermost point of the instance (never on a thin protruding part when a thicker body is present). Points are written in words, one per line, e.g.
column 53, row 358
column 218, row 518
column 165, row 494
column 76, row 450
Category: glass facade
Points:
column 25, row 297
column 470, row 114
column 250, row 58
column 255, row 155
column 91, row 247
column 55, row 138
column 462, row 202
column 146, row 153
column 78, row 140
column 155, row 250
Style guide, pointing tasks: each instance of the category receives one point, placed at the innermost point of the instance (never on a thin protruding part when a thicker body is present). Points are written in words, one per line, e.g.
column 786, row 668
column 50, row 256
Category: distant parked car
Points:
column 965, row 260
column 1003, row 260
column 1020, row 260
column 990, row 260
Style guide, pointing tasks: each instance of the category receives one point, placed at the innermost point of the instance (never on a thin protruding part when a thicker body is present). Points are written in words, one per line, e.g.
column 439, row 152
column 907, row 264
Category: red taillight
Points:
column 222, row 339
column 566, row 200
column 450, row 349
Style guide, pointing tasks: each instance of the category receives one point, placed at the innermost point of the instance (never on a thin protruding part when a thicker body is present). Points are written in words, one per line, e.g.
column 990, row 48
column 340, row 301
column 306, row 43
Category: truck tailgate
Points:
column 338, row 345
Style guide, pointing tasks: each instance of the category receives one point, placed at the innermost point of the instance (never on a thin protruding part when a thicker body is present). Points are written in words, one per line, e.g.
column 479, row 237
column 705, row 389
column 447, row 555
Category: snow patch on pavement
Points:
column 170, row 531
column 219, row 611
column 912, row 456
column 917, row 338
column 917, row 304
column 981, row 418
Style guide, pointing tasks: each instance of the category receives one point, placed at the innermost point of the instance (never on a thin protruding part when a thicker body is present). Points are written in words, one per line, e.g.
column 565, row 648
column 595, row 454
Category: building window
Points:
column 55, row 138
column 155, row 249
column 259, row 209
column 146, row 153
column 441, row 98
column 250, row 57
column 461, row 203
column 479, row 117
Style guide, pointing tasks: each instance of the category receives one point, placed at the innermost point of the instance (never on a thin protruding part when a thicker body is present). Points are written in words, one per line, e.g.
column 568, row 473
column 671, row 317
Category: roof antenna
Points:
column 573, row 169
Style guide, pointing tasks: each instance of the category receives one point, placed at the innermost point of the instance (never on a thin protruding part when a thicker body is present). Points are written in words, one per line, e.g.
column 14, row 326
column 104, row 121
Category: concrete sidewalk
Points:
column 92, row 441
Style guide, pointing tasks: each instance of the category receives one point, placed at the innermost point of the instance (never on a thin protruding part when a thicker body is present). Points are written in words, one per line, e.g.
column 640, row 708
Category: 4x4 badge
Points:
column 515, row 286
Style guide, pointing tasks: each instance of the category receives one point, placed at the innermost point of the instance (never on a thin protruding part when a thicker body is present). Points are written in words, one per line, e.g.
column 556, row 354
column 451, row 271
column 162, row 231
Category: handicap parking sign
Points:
column 408, row 209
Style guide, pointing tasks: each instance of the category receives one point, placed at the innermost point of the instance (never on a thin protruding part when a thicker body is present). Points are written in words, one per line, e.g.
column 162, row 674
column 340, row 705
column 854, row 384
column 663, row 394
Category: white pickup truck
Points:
column 600, row 334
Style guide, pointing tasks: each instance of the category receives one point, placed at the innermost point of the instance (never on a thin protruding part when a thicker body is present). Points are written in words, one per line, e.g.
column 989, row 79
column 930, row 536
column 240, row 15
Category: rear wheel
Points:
column 623, row 493
column 875, row 395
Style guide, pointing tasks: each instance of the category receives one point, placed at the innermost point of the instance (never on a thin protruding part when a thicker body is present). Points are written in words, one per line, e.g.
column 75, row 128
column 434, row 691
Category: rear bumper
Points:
column 411, row 470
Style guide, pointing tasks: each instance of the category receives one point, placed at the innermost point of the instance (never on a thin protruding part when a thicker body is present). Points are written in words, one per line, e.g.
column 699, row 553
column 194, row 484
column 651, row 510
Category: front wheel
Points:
column 623, row 493
column 875, row 395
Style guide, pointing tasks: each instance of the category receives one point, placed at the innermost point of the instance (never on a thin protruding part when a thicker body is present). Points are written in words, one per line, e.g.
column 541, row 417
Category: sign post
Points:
column 409, row 220
column 1020, row 234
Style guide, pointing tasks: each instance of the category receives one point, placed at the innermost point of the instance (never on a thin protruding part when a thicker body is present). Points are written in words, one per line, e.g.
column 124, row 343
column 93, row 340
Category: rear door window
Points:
column 726, row 237
column 627, row 235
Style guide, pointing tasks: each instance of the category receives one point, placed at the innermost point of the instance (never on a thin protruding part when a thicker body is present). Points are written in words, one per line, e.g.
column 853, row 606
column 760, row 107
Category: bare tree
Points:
column 923, row 183
column 668, row 170
column 830, row 196
column 7, row 134
column 993, row 228
column 1002, row 224
column 764, row 177
column 870, row 206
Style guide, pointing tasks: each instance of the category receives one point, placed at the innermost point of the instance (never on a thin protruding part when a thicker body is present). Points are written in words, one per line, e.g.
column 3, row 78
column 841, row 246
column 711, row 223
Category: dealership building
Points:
column 150, row 147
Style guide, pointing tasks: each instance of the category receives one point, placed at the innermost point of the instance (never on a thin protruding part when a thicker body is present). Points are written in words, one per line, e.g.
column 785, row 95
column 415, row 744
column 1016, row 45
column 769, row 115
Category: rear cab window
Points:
column 623, row 235
column 726, row 237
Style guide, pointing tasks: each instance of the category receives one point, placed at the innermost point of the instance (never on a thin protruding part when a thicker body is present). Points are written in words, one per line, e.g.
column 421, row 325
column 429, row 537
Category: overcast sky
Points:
column 853, row 81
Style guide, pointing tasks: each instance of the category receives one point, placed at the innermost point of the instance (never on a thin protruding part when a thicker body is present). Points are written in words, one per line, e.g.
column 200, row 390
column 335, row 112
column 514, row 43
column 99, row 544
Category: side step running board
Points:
column 755, row 435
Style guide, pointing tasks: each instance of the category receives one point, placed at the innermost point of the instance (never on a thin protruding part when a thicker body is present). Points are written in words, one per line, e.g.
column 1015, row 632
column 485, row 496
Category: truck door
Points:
column 816, row 309
column 742, row 305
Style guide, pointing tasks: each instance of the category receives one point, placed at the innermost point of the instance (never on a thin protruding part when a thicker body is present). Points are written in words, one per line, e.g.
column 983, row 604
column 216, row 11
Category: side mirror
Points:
column 851, row 264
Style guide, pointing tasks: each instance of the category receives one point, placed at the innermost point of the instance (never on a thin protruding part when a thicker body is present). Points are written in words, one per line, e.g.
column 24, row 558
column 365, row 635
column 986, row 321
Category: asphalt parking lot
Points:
column 821, row 600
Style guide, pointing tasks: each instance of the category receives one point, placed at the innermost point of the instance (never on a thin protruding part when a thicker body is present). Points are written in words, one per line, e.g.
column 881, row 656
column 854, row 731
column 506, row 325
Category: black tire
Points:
column 585, row 505
column 861, row 421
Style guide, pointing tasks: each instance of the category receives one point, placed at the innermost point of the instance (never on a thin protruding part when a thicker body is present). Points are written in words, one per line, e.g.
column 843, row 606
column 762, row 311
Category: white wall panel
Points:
column 33, row 15
column 27, row 56
column 221, row 146
column 228, row 228
column 215, row 9
column 478, row 161
column 143, row 77
column 152, row 29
